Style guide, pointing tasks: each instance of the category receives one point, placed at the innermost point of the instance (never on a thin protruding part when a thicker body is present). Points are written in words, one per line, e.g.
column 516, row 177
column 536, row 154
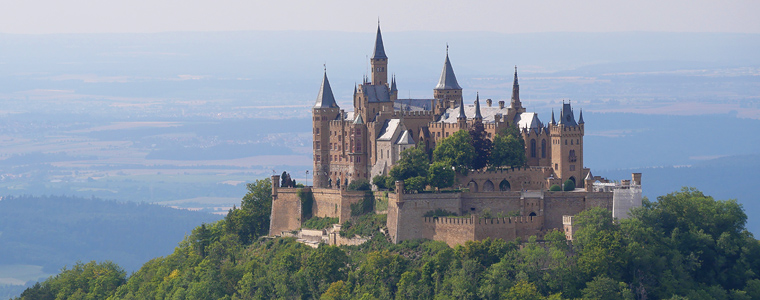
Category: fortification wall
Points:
column 452, row 231
column 456, row 231
column 286, row 211
column 496, row 202
column 334, row 203
column 406, row 212
column 557, row 204
column 509, row 179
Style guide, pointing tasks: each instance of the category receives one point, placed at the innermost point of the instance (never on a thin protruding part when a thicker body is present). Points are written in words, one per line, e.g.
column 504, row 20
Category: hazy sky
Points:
column 83, row 16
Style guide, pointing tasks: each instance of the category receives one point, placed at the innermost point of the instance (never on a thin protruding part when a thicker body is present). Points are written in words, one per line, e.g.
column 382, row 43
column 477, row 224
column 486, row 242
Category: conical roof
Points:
column 553, row 122
column 477, row 107
column 379, row 49
column 580, row 118
column 461, row 111
column 448, row 80
column 325, row 99
column 393, row 84
column 515, row 102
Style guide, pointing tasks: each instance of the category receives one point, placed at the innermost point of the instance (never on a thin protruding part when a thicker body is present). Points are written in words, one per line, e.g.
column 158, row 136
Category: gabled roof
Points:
column 390, row 126
column 528, row 120
column 448, row 80
column 325, row 99
column 405, row 139
column 358, row 119
column 488, row 112
column 379, row 49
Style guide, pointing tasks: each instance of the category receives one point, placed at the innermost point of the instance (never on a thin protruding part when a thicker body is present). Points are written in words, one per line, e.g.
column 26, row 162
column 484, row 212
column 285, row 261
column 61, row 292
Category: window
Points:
column 358, row 147
column 318, row 158
column 565, row 142
column 533, row 148
column 316, row 130
column 358, row 131
column 556, row 167
column 316, row 145
column 359, row 159
column 571, row 142
column 572, row 167
column 572, row 156
column 543, row 148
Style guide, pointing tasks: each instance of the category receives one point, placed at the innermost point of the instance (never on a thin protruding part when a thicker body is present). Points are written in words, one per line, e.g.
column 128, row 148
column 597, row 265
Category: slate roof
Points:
column 488, row 113
column 386, row 133
column 325, row 98
column 379, row 49
column 566, row 116
column 412, row 104
column 405, row 139
column 448, row 80
column 376, row 93
column 528, row 120
column 358, row 120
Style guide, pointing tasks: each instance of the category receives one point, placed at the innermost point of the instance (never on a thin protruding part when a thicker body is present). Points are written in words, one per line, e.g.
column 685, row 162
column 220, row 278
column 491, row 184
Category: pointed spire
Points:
column 379, row 49
column 477, row 107
column 553, row 122
column 355, row 89
column 448, row 80
column 580, row 119
column 393, row 84
column 461, row 111
column 325, row 99
column 515, row 103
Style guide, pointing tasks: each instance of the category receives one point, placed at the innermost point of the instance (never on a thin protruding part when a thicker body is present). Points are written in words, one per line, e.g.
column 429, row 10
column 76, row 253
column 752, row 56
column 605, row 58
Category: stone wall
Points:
column 456, row 231
column 286, row 211
column 406, row 212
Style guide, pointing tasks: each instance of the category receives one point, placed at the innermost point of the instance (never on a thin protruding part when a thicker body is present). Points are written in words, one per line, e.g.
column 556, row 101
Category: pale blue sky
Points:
column 87, row 16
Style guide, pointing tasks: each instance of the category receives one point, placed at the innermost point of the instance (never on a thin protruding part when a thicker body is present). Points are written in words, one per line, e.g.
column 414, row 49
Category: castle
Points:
column 368, row 141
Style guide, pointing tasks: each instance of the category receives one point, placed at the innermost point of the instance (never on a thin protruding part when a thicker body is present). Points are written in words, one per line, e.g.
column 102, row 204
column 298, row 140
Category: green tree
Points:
column 456, row 150
column 508, row 150
column 604, row 288
column 337, row 291
column 441, row 175
column 380, row 181
column 555, row 188
column 482, row 146
column 417, row 183
column 523, row 291
column 360, row 184
column 251, row 220
column 413, row 162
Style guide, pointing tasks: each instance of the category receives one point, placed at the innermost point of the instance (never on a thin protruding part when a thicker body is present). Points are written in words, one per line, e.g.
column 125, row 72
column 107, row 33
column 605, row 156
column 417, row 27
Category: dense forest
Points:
column 684, row 245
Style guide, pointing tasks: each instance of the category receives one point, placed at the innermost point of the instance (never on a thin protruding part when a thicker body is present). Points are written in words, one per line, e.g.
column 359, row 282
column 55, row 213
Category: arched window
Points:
column 488, row 186
column 504, row 185
column 572, row 156
column 533, row 148
column 543, row 148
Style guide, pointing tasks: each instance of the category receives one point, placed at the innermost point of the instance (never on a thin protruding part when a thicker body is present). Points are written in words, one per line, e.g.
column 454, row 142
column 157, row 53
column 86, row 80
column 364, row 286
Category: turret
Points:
column 478, row 117
column 448, row 88
column 325, row 110
column 379, row 61
column 462, row 118
column 394, row 90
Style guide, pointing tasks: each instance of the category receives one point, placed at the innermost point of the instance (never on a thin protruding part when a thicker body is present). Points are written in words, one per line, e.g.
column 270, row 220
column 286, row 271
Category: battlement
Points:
column 480, row 221
column 511, row 169
column 419, row 113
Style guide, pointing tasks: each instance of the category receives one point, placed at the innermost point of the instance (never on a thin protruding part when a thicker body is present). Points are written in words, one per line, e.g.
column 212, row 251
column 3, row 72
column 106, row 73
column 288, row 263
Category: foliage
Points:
column 415, row 183
column 307, row 203
column 456, row 150
column 482, row 145
column 286, row 181
column 555, row 188
column 360, row 184
column 366, row 225
column 251, row 220
column 319, row 223
column 569, row 185
column 365, row 206
column 380, row 181
column 439, row 212
column 685, row 245
column 413, row 163
column 441, row 175
column 83, row 281
column 508, row 150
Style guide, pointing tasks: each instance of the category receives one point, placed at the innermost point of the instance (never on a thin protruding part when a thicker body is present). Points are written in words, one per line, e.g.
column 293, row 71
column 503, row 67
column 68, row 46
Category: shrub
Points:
column 439, row 212
column 359, row 185
column 415, row 183
column 307, row 202
column 367, row 205
column 569, row 185
column 319, row 223
column 555, row 188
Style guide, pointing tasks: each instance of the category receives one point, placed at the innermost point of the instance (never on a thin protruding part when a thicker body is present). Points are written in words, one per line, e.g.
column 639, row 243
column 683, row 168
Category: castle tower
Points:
column 325, row 110
column 462, row 118
column 567, row 146
column 448, row 90
column 379, row 61
column 394, row 89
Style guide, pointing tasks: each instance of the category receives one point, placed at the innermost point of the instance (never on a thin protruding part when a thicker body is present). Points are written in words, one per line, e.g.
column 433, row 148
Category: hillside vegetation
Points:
column 685, row 245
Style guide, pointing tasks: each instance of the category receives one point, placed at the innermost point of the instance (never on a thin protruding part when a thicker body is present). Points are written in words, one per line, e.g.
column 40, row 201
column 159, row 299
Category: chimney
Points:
column 488, row 101
column 497, row 117
column 501, row 104
column 636, row 178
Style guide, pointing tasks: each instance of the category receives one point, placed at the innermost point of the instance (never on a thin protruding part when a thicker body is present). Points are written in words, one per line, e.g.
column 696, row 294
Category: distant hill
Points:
column 40, row 235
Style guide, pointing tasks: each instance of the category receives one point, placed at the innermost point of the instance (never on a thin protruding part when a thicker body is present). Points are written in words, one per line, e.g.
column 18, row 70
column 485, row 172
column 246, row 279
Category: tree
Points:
column 285, row 180
column 604, row 288
column 379, row 181
column 482, row 145
column 569, row 185
column 508, row 150
column 456, row 150
column 360, row 184
column 441, row 175
column 413, row 162
column 555, row 188
column 251, row 220
column 417, row 183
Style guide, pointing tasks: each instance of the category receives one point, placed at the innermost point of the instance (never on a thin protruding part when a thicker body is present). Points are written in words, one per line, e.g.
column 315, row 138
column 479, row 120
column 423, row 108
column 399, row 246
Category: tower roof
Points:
column 580, row 118
column 553, row 122
column 477, row 107
column 448, row 80
column 379, row 49
column 566, row 116
column 461, row 111
column 393, row 84
column 515, row 102
column 325, row 99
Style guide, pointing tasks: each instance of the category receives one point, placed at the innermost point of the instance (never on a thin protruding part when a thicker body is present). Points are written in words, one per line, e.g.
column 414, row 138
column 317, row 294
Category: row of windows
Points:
column 533, row 148
column 577, row 142
column 556, row 167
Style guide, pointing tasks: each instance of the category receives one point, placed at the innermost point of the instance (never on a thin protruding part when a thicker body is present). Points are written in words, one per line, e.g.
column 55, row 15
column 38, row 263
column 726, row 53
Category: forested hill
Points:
column 684, row 245
column 40, row 235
